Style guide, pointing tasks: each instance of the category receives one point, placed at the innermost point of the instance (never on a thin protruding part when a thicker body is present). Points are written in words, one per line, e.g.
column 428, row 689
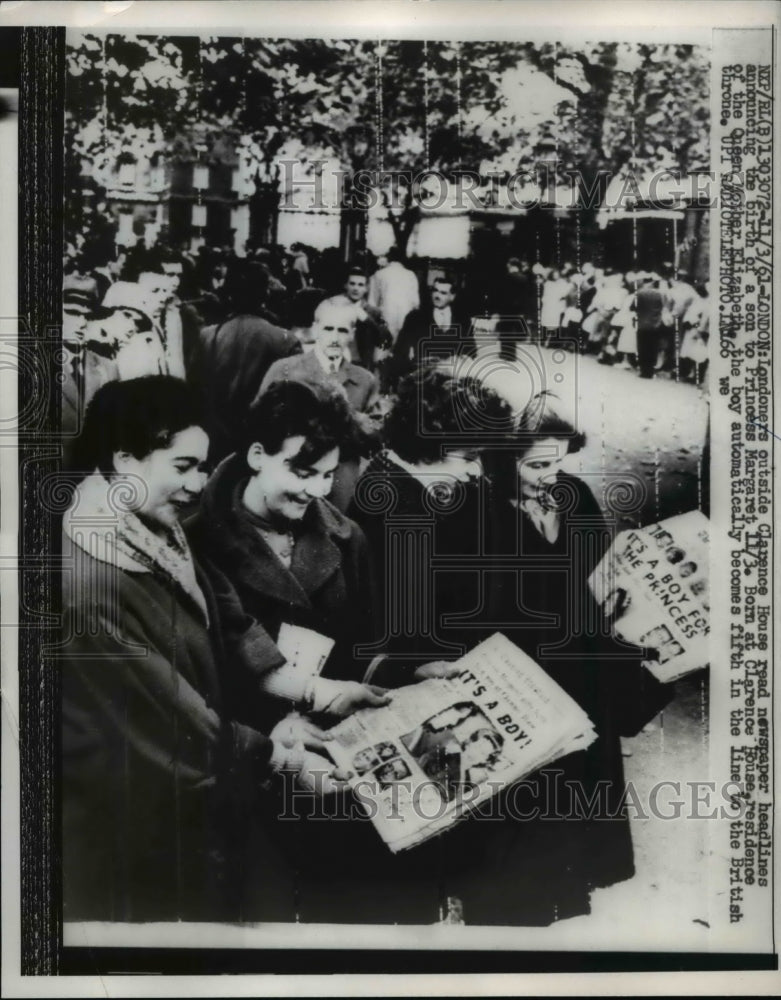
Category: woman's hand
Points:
column 320, row 775
column 342, row 698
column 312, row 771
column 296, row 728
column 437, row 668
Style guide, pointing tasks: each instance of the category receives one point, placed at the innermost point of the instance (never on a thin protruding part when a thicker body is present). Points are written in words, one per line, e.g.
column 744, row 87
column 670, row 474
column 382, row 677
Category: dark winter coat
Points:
column 345, row 873
column 228, row 368
column 327, row 588
column 419, row 327
column 544, row 605
column 533, row 867
column 157, row 779
column 428, row 591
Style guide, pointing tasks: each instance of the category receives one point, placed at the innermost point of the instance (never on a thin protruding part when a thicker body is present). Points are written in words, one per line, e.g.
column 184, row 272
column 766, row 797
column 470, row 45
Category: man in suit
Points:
column 372, row 341
column 440, row 318
column 84, row 371
column 328, row 364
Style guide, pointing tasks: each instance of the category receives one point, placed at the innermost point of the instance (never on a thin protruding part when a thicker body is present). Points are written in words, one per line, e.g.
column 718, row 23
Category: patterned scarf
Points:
column 100, row 524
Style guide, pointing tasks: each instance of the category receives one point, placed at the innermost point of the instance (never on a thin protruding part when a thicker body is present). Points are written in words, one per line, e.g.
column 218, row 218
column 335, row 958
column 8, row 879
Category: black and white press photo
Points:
column 390, row 482
column 354, row 351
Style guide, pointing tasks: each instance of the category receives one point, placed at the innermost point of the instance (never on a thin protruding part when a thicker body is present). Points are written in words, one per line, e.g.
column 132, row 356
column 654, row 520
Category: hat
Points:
column 77, row 302
column 79, row 293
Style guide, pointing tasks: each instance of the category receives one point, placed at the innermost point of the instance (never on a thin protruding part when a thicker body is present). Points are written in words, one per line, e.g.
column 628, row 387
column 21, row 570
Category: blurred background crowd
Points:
column 220, row 321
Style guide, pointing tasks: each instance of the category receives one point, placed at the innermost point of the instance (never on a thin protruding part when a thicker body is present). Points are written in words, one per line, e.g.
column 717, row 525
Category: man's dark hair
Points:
column 434, row 409
column 355, row 271
column 394, row 253
column 148, row 260
column 291, row 409
column 137, row 416
column 445, row 279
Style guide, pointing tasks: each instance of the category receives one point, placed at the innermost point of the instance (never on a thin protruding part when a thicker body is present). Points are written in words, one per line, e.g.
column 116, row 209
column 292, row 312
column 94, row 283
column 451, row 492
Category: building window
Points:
column 181, row 178
column 218, row 227
column 201, row 178
column 221, row 180
column 180, row 219
column 125, row 235
column 127, row 174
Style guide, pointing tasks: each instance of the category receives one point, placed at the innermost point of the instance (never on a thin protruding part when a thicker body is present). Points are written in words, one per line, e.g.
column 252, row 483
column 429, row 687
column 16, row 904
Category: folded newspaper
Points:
column 653, row 585
column 445, row 746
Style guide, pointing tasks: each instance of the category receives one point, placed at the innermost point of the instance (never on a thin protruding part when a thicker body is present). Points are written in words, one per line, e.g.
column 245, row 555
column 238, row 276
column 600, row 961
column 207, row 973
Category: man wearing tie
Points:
column 84, row 371
column 441, row 318
column 328, row 364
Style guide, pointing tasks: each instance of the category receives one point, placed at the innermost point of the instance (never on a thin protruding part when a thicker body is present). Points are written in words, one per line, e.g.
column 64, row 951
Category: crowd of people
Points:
column 195, row 315
column 643, row 320
column 241, row 455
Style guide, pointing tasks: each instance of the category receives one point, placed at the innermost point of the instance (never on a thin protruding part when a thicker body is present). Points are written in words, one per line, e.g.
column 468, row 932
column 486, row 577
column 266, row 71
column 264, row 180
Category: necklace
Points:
column 281, row 543
column 279, row 538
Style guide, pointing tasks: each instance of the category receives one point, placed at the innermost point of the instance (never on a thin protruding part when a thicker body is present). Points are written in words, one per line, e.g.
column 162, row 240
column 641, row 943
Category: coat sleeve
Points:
column 247, row 643
column 631, row 692
column 634, row 695
column 369, row 546
column 118, row 685
column 363, row 601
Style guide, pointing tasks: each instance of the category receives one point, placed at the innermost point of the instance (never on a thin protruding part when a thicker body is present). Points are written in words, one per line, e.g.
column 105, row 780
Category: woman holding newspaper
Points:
column 512, row 572
column 162, row 769
column 490, row 869
column 301, row 568
column 547, row 522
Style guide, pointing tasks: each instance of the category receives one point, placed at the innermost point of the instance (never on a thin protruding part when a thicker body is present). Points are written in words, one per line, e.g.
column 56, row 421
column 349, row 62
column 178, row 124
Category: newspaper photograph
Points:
column 653, row 586
column 443, row 746
column 387, row 436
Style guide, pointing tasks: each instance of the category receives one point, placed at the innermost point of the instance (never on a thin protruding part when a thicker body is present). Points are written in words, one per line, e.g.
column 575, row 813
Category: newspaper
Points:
column 705, row 875
column 445, row 746
column 653, row 585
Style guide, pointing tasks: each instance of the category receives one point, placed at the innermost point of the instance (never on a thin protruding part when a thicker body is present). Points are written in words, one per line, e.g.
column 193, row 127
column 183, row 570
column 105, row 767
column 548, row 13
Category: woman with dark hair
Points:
column 296, row 562
column 479, row 561
column 545, row 437
column 158, row 772
column 421, row 498
column 545, row 535
column 423, row 503
column 291, row 556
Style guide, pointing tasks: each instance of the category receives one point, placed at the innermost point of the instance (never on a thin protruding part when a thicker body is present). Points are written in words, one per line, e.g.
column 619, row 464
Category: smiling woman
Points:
column 291, row 556
column 158, row 774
